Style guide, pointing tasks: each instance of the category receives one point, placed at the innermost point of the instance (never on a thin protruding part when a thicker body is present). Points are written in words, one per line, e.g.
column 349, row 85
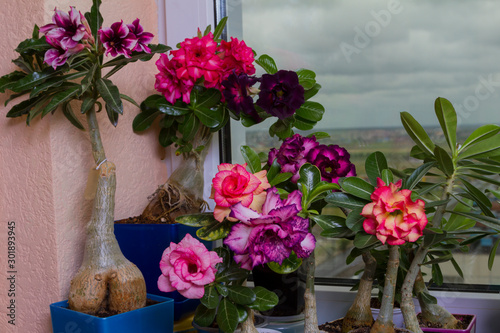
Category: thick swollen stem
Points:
column 360, row 313
column 384, row 323
column 248, row 325
column 432, row 312
column 106, row 281
column 311, row 317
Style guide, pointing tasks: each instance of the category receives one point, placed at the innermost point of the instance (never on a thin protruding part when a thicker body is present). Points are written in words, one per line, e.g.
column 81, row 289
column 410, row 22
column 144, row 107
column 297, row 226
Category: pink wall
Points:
column 44, row 169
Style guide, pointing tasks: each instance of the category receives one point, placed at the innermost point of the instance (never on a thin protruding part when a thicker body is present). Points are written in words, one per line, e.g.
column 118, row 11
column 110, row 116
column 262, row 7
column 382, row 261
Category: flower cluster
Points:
column 69, row 33
column 392, row 216
column 187, row 267
column 272, row 235
column 332, row 161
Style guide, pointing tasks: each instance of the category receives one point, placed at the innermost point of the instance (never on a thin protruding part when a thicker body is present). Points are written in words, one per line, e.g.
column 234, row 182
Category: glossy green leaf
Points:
column 112, row 115
column 242, row 313
column 433, row 238
column 265, row 299
column 68, row 113
column 144, row 120
column 8, row 80
column 197, row 220
column 479, row 197
column 417, row 133
column 417, row 175
column 159, row 102
column 444, row 161
column 222, row 289
column 233, row 273
column 31, row 80
column 189, row 127
column 280, row 178
column 311, row 111
column 303, row 124
column 110, row 94
column 448, row 120
column 208, row 117
column 251, row 158
column 354, row 220
column 417, row 153
column 387, row 176
column 129, row 99
column 307, row 78
column 289, row 265
column 54, row 82
column 309, row 176
column 33, row 44
column 211, row 297
column 309, row 93
column 204, row 316
column 340, row 232
column 209, row 98
column 437, row 275
column 438, row 260
column 357, row 187
column 363, row 240
column 60, row 98
column 167, row 136
column 24, row 107
column 491, row 257
column 227, row 316
column 480, row 134
column 214, row 231
column 457, row 267
column 345, row 200
column 220, row 27
column 267, row 63
column 321, row 189
column 485, row 148
column 328, row 222
column 95, row 19
column 375, row 163
column 281, row 128
column 37, row 108
column 120, row 61
column 87, row 104
column 241, row 295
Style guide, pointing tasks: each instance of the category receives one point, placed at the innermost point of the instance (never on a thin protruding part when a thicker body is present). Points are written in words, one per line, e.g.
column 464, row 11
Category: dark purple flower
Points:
column 292, row 154
column 281, row 94
column 118, row 39
column 332, row 161
column 143, row 38
column 236, row 92
column 57, row 55
column 271, row 235
column 68, row 28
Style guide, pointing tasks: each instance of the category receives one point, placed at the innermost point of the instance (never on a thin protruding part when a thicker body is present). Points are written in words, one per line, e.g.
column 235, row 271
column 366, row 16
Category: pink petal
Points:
column 164, row 284
column 237, row 240
column 193, row 292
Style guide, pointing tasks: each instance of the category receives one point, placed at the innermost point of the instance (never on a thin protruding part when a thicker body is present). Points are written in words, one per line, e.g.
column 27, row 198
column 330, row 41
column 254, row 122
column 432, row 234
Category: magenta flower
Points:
column 169, row 84
column 67, row 28
column 271, row 235
column 281, row 94
column 332, row 161
column 187, row 267
column 237, row 93
column 118, row 39
column 57, row 56
column 236, row 57
column 143, row 38
column 392, row 216
column 292, row 154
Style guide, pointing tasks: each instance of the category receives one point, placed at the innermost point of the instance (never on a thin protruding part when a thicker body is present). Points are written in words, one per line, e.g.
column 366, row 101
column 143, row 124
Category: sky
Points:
column 375, row 58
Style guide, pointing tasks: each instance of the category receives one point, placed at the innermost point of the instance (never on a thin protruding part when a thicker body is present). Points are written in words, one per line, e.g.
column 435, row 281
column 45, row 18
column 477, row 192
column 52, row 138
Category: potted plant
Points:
column 64, row 67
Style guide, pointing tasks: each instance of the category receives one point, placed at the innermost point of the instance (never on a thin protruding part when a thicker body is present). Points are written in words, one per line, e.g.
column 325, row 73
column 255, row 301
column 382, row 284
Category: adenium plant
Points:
column 64, row 68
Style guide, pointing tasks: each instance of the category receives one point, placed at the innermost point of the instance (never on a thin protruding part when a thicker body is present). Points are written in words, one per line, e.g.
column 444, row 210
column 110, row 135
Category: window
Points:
column 375, row 59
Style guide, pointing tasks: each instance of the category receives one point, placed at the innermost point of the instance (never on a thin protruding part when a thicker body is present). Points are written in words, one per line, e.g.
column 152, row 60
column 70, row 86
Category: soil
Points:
column 106, row 314
column 141, row 220
column 332, row 327
column 463, row 322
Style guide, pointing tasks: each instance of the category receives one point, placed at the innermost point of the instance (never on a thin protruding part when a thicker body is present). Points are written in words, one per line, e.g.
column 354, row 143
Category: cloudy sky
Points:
column 375, row 59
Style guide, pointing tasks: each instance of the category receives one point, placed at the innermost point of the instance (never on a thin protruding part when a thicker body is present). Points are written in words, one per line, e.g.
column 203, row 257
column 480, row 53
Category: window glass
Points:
column 375, row 59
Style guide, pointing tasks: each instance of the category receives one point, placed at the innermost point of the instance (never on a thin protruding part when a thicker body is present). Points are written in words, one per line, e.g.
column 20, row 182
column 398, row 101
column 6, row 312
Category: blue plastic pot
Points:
column 157, row 318
column 143, row 244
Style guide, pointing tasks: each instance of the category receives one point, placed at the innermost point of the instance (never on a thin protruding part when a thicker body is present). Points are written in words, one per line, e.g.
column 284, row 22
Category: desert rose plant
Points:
column 63, row 68
column 204, row 83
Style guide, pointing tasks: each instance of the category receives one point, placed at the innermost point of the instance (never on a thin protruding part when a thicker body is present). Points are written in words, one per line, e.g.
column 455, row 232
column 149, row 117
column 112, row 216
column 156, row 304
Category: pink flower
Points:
column 271, row 235
column 187, row 267
column 57, row 55
column 118, row 39
column 332, row 161
column 392, row 216
column 143, row 38
column 236, row 57
column 67, row 28
column 234, row 184
column 168, row 83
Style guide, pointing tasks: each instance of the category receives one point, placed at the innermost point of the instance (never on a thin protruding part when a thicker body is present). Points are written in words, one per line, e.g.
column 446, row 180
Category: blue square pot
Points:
column 143, row 244
column 156, row 318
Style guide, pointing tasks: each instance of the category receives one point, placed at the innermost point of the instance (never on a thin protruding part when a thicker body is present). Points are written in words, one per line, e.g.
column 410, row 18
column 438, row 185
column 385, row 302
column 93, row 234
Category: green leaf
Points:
column 265, row 299
column 267, row 63
column 357, row 187
column 309, row 93
column 110, row 94
column 387, row 176
column 209, row 98
column 362, row 240
column 120, row 61
column 167, row 136
column 196, row 220
column 428, row 298
column 486, row 148
column 433, row 238
column 204, row 316
column 211, row 298
column 309, row 176
column 444, row 161
column 144, row 120
column 282, row 128
column 345, row 200
column 24, row 107
column 280, row 178
column 417, row 175
column 491, row 257
column 289, row 265
column 440, row 259
column 479, row 197
column 303, row 124
column 354, row 220
column 189, row 127
column 208, row 117
column 227, row 316
column 7, row 81
column 241, row 295
column 329, row 222
column 242, row 313
column 222, row 289
column 457, row 268
column 311, row 111
column 33, row 44
column 112, row 116
column 220, row 27
column 307, row 78
column 233, row 273
column 68, row 112
column 54, row 82
column 251, row 158
column 480, row 134
column 214, row 231
column 60, row 98
column 375, row 163
column 448, row 120
column 95, row 19
column 321, row 189
column 159, row 102
column 437, row 275
column 31, row 80
column 417, row 133
column 129, row 99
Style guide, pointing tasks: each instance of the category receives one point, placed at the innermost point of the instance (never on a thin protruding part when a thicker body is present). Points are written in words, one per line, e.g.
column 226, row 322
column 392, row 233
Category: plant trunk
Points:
column 106, row 282
column 384, row 323
column 182, row 194
column 311, row 316
column 433, row 313
column 360, row 313
column 407, row 306
column 248, row 325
